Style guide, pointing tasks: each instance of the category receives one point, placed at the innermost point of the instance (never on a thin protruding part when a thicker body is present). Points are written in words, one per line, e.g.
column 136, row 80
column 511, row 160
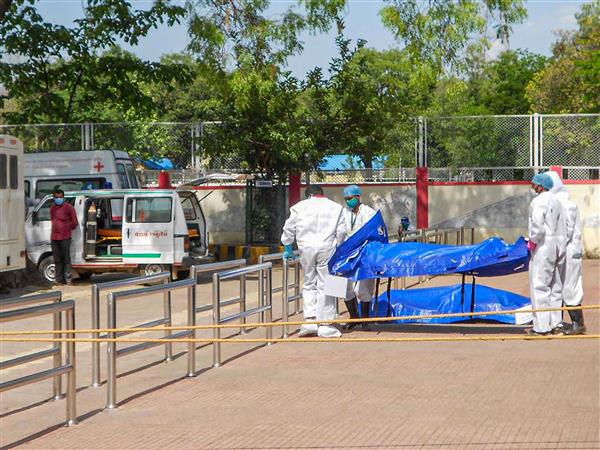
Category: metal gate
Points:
column 266, row 208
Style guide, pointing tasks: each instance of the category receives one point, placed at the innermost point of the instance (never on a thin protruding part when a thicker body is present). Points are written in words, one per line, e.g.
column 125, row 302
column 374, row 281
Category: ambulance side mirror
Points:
column 34, row 218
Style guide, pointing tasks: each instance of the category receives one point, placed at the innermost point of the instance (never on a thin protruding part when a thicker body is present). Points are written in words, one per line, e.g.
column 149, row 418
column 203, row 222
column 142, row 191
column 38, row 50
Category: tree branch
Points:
column 4, row 6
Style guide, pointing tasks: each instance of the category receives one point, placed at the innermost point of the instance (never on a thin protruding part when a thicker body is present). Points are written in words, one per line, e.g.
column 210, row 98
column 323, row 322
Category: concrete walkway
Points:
column 472, row 395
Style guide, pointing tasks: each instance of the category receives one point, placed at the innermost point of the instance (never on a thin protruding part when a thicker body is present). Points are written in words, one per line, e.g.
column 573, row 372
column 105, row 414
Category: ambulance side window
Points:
column 3, row 169
column 122, row 176
column 149, row 210
column 132, row 178
column 14, row 172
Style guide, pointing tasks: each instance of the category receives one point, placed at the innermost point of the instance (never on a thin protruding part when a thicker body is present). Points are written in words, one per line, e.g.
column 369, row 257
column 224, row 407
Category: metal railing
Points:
column 285, row 287
column 163, row 277
column 56, row 308
column 220, row 266
column 111, row 350
column 265, row 301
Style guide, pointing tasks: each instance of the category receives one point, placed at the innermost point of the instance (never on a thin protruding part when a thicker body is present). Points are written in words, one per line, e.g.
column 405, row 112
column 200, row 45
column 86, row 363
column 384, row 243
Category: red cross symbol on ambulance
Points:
column 99, row 166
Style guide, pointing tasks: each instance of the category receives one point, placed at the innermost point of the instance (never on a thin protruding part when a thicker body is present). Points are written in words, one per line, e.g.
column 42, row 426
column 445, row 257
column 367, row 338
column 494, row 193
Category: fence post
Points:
column 421, row 158
column 294, row 189
column 111, row 353
column 536, row 142
column 422, row 197
column 57, row 360
column 72, row 375
column 191, row 305
column 216, row 292
column 87, row 136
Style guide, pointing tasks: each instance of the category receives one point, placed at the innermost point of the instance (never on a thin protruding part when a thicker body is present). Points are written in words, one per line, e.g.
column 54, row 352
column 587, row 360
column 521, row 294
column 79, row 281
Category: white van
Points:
column 73, row 171
column 159, row 230
column 12, row 205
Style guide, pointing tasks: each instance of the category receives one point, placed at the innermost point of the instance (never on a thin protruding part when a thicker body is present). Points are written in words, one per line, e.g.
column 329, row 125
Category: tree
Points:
column 570, row 83
column 439, row 31
column 58, row 71
column 501, row 83
column 227, row 32
column 361, row 108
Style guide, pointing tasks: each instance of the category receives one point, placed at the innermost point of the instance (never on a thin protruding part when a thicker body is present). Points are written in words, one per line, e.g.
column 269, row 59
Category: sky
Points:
column 535, row 34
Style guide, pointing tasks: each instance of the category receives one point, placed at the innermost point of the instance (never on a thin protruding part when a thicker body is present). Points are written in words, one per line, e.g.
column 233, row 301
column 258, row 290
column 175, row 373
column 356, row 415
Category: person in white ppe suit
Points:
column 544, row 278
column 356, row 215
column 571, row 269
column 317, row 225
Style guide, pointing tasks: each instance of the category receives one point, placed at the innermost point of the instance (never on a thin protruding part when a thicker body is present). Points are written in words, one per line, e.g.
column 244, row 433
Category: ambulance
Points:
column 72, row 171
column 12, row 205
column 124, row 230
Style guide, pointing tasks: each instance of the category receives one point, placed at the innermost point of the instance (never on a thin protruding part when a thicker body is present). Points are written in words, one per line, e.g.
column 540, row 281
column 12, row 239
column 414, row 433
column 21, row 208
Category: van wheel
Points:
column 154, row 269
column 48, row 269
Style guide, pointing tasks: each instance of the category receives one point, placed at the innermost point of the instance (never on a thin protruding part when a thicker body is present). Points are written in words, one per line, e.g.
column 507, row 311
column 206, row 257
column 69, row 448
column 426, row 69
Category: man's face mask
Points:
column 59, row 201
column 352, row 202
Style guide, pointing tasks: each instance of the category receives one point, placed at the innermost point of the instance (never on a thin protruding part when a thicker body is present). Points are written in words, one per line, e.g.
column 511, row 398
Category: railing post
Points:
column 269, row 312
column 168, row 320
column 72, row 374
column 111, row 354
column 242, row 301
column 95, row 335
column 285, row 304
column 297, row 289
column 191, row 311
column 216, row 291
column 57, row 358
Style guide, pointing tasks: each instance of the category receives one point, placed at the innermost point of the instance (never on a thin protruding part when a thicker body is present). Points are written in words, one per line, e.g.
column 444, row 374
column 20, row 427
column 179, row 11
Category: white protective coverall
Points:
column 362, row 290
column 571, row 271
column 544, row 278
column 318, row 226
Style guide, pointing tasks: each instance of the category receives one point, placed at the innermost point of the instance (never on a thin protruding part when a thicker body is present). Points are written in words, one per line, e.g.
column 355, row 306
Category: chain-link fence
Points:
column 492, row 147
column 477, row 141
column 570, row 140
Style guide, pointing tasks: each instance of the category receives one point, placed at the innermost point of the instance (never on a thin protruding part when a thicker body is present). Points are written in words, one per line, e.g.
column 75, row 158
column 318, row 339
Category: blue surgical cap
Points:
column 544, row 180
column 352, row 190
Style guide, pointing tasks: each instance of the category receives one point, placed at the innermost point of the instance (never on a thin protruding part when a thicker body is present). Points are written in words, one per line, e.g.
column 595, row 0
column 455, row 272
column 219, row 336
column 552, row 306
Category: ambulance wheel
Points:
column 48, row 269
column 154, row 269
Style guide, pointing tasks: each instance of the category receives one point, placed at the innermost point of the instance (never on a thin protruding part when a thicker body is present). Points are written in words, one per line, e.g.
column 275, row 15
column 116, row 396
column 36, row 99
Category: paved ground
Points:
column 474, row 395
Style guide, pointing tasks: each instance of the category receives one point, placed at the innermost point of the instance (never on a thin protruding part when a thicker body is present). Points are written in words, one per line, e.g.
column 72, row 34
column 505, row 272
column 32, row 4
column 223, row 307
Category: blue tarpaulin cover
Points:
column 448, row 300
column 367, row 254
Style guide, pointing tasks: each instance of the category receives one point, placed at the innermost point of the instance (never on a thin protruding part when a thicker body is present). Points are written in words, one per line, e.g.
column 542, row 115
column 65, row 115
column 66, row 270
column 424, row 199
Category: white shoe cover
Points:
column 308, row 329
column 327, row 331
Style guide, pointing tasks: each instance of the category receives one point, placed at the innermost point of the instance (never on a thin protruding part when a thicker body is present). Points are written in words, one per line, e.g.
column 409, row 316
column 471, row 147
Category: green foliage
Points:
column 571, row 82
column 362, row 108
column 440, row 30
column 58, row 71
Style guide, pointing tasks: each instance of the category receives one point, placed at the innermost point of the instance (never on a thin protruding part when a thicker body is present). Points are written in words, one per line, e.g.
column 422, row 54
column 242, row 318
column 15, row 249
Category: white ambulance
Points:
column 124, row 230
column 72, row 171
column 12, row 205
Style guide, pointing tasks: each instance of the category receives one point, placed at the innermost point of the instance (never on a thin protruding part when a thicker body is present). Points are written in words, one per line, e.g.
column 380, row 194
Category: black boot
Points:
column 352, row 307
column 578, row 325
column 365, row 308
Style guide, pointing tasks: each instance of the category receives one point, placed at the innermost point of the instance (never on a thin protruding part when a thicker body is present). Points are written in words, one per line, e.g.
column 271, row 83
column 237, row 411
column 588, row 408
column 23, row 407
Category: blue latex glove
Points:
column 288, row 252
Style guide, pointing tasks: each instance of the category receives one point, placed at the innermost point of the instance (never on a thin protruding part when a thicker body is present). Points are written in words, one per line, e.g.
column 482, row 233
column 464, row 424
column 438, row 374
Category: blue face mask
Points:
column 59, row 201
column 352, row 203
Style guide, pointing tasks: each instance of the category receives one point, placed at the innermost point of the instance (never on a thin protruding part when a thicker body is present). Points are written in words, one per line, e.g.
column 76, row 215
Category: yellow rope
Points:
column 278, row 324
column 315, row 339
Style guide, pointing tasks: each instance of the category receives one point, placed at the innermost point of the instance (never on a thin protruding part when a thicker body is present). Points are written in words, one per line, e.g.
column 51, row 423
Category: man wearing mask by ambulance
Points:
column 571, row 269
column 356, row 214
column 64, row 220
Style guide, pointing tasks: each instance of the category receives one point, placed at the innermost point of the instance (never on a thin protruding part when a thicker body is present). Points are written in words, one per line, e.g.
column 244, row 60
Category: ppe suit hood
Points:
column 557, row 184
